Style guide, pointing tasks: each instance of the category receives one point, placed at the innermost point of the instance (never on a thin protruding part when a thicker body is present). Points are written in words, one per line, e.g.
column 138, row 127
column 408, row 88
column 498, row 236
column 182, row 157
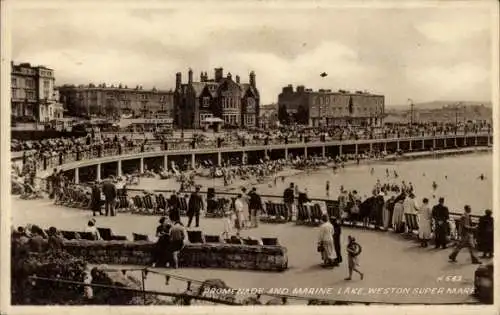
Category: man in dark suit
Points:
column 441, row 215
column 110, row 193
column 194, row 207
column 95, row 198
column 174, row 208
column 337, row 230
column 289, row 199
column 255, row 205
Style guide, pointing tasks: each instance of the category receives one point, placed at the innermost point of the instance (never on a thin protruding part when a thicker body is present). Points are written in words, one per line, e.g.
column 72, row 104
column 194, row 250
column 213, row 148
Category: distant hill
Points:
column 436, row 105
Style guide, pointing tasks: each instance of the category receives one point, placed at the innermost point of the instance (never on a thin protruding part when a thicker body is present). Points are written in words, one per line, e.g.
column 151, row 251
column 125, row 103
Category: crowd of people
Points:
column 52, row 152
column 388, row 208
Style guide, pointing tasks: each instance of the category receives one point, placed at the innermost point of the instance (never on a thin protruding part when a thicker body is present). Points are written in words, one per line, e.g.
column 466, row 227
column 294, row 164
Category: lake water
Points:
column 457, row 179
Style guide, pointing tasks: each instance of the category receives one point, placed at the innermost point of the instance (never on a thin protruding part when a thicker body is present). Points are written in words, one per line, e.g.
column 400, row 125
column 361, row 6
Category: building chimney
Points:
column 252, row 78
column 219, row 74
column 202, row 77
column 229, row 76
column 237, row 79
column 178, row 80
column 190, row 76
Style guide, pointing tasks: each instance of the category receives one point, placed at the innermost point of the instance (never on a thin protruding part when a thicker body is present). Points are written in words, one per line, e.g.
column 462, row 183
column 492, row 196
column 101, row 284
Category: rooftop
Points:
column 119, row 87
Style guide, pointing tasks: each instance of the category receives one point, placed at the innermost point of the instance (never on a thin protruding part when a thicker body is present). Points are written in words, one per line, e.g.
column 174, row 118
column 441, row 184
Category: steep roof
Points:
column 246, row 86
column 198, row 88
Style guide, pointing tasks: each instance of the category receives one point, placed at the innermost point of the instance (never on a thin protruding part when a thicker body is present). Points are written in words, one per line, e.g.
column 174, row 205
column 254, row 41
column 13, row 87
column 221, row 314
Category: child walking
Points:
column 353, row 251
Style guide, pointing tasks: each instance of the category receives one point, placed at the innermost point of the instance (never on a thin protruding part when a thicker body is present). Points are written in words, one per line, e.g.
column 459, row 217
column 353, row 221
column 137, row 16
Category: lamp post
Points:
column 411, row 115
column 457, row 106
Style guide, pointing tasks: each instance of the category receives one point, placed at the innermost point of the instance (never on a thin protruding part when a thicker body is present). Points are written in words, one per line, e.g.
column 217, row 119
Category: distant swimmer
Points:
column 282, row 179
column 396, row 174
column 387, row 172
column 423, row 174
column 335, row 168
column 372, row 171
column 275, row 181
column 482, row 177
column 328, row 188
column 445, row 176
column 434, row 186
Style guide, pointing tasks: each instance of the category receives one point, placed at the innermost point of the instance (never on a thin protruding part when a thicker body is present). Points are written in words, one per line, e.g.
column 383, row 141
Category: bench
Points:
column 140, row 237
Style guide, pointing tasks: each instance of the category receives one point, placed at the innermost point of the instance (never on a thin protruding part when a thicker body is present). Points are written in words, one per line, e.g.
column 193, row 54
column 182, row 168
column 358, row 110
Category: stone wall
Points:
column 209, row 255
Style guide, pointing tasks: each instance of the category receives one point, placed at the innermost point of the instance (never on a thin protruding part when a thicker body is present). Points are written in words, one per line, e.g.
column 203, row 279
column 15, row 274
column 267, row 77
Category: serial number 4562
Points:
column 450, row 278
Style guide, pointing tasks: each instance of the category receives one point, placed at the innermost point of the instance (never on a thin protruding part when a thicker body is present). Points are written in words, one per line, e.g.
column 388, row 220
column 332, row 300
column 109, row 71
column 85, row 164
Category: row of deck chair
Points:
column 155, row 204
column 106, row 234
column 197, row 237
column 217, row 207
column 309, row 214
column 75, row 197
column 274, row 213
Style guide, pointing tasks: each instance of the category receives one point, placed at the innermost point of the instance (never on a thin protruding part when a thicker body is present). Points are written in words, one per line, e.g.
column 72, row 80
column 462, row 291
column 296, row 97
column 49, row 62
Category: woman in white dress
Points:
column 424, row 223
column 325, row 241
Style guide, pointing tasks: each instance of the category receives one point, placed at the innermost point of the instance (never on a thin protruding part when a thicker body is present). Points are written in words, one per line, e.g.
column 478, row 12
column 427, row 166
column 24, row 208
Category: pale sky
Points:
column 424, row 54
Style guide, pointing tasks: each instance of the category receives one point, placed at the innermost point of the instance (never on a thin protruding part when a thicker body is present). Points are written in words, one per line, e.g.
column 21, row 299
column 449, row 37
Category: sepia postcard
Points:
column 195, row 157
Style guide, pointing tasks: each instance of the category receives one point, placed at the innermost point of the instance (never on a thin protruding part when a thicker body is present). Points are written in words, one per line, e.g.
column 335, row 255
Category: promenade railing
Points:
column 53, row 159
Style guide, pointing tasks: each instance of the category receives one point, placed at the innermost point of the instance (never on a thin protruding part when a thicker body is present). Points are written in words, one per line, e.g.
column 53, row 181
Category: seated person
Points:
column 91, row 228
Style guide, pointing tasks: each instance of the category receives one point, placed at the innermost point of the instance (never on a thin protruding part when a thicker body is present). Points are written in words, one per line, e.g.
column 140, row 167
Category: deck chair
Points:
column 195, row 237
column 69, row 235
column 140, row 237
column 105, row 233
column 250, row 242
column 148, row 204
column 161, row 203
column 212, row 239
column 270, row 241
column 138, row 204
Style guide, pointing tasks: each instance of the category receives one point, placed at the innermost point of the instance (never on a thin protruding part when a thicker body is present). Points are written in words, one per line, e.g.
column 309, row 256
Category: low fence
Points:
column 202, row 251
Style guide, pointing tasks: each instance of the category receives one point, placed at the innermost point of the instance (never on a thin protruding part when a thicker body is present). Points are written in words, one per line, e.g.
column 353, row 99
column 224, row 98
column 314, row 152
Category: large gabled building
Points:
column 235, row 103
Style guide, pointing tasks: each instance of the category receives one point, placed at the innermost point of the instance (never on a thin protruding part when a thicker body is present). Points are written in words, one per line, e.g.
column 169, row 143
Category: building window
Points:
column 30, row 83
column 46, row 84
column 14, row 82
column 14, row 93
column 206, row 102
column 30, row 95
column 144, row 96
column 249, row 121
